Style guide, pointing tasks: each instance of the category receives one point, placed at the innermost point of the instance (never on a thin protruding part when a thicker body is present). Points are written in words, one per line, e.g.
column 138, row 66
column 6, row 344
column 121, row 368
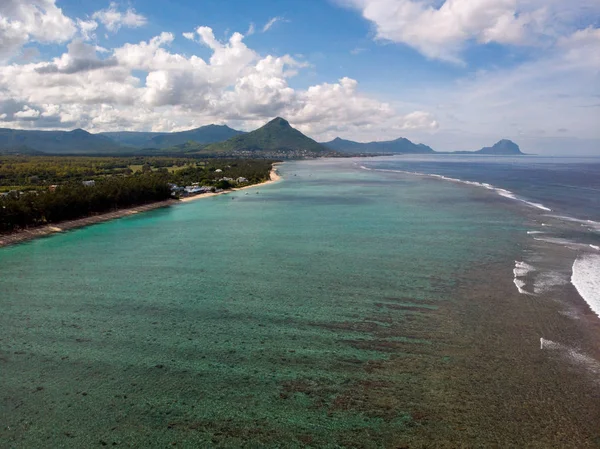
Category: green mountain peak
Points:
column 277, row 138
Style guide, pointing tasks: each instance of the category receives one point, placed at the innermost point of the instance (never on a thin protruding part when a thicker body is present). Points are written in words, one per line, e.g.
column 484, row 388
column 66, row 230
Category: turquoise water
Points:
column 247, row 318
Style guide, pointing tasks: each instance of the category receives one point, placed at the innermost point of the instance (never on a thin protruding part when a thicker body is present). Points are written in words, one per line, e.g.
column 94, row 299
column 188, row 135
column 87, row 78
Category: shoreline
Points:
column 274, row 177
column 54, row 228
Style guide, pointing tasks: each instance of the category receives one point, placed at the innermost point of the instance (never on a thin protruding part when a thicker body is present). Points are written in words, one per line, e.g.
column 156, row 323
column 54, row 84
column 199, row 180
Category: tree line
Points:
column 74, row 200
column 115, row 185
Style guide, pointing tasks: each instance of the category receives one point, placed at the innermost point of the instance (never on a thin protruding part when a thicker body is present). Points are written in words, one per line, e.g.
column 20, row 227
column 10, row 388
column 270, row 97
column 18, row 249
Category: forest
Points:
column 38, row 190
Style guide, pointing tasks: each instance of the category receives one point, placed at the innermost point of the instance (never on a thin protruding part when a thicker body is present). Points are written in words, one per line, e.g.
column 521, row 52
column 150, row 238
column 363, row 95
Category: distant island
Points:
column 277, row 139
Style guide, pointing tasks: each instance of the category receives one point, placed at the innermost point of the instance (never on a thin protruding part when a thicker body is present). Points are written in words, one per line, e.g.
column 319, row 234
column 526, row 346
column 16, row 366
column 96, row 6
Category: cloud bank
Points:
column 145, row 85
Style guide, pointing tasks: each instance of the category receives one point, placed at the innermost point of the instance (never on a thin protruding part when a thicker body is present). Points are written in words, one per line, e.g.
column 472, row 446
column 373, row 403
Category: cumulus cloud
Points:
column 27, row 114
column 79, row 58
column 331, row 109
column 113, row 19
column 145, row 85
column 441, row 30
column 34, row 20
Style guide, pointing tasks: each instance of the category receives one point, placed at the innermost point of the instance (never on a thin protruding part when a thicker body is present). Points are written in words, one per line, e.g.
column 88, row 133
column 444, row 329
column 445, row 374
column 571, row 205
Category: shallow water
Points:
column 250, row 318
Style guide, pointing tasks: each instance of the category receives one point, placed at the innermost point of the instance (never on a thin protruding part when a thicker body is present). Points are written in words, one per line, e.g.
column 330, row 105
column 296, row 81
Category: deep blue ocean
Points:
column 568, row 186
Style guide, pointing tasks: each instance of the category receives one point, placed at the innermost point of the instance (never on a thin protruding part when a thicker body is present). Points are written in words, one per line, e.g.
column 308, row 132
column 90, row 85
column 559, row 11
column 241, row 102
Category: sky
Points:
column 453, row 74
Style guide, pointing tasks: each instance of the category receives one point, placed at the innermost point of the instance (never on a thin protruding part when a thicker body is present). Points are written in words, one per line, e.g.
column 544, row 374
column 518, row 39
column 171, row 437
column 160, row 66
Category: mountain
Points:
column 131, row 138
column 504, row 147
column 77, row 141
column 276, row 138
column 202, row 135
column 400, row 145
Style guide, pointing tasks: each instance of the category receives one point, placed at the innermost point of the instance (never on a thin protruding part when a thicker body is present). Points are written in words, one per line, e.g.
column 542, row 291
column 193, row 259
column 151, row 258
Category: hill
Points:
column 77, row 141
column 397, row 146
column 137, row 139
column 503, row 147
column 275, row 139
column 203, row 135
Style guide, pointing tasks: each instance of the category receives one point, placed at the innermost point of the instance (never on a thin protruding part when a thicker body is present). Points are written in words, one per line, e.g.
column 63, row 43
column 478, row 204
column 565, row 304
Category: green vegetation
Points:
column 63, row 142
column 74, row 200
column 203, row 135
column 49, row 189
column 275, row 138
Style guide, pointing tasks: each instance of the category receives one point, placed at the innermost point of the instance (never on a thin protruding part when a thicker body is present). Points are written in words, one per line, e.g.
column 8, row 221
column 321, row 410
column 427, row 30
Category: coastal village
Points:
column 196, row 189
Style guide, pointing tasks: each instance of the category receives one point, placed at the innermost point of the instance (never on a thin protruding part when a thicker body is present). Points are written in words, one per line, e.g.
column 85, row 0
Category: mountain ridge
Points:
column 400, row 145
column 203, row 135
column 277, row 138
column 53, row 142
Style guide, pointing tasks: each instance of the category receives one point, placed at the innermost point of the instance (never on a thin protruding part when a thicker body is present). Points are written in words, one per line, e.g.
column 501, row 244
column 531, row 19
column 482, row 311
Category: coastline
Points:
column 46, row 230
column 273, row 175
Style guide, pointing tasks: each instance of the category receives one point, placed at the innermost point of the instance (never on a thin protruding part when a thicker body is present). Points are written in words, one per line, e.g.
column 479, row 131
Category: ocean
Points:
column 565, row 190
column 376, row 302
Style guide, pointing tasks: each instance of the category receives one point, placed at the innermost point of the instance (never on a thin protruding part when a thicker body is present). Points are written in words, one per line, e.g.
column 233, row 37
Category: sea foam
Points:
column 521, row 270
column 547, row 281
column 502, row 192
column 589, row 224
column 563, row 242
column 586, row 279
column 571, row 354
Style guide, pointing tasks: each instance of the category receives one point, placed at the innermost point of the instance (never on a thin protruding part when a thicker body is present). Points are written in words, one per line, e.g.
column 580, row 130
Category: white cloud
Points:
column 582, row 48
column 190, row 36
column 113, row 19
column 87, row 28
column 79, row 58
column 27, row 114
column 251, row 30
column 442, row 29
column 235, row 84
column 330, row 110
column 271, row 22
column 539, row 103
column 33, row 20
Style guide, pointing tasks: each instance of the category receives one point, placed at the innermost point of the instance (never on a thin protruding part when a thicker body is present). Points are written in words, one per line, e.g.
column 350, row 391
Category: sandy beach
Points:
column 274, row 177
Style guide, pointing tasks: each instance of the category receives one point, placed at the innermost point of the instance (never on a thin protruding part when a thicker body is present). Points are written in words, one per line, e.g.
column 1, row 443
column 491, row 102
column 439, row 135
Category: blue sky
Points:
column 454, row 74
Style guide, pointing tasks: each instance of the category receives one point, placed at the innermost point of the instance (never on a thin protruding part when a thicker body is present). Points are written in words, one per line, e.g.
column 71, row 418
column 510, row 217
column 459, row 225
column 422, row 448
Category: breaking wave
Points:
column 521, row 270
column 502, row 192
column 586, row 279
